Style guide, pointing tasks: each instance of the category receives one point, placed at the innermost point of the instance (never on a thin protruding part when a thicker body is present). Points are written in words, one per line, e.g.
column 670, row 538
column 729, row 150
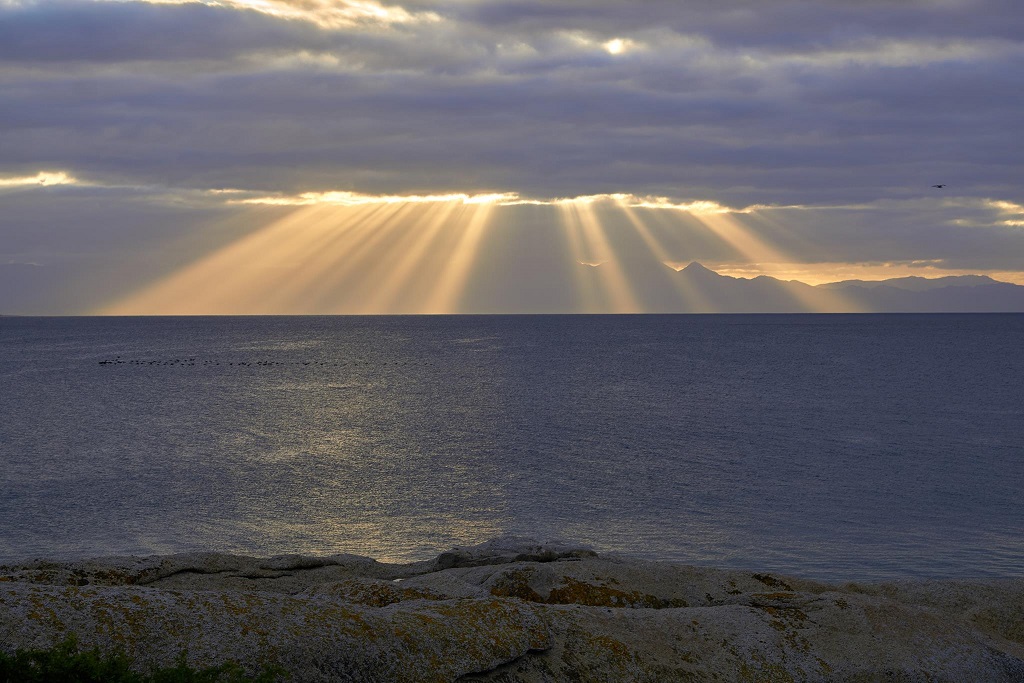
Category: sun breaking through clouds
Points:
column 490, row 149
column 341, row 252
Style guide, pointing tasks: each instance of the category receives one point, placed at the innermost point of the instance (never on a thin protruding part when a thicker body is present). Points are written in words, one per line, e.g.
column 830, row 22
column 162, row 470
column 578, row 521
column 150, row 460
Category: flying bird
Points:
column 939, row 186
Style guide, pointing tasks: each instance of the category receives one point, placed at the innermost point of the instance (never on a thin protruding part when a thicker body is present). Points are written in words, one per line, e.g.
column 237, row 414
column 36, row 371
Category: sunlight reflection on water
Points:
column 830, row 446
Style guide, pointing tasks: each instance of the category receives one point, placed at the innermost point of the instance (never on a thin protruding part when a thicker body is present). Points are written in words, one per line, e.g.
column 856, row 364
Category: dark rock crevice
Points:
column 504, row 669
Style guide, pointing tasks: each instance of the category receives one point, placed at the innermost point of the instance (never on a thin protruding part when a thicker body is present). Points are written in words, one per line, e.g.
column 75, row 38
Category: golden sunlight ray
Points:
column 415, row 251
column 240, row 278
column 604, row 287
column 588, row 295
column 751, row 247
column 363, row 258
column 340, row 279
column 314, row 261
column 347, row 252
column 446, row 294
column 694, row 300
column 362, row 264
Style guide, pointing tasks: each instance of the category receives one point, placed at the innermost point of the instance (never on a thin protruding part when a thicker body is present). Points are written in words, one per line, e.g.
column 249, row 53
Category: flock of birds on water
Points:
column 193, row 362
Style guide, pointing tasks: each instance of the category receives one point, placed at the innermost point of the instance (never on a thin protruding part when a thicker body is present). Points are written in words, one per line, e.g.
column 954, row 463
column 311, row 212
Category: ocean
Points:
column 838, row 447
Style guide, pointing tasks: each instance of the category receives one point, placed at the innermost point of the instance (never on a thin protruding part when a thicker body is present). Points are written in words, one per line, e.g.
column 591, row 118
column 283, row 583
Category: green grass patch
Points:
column 68, row 663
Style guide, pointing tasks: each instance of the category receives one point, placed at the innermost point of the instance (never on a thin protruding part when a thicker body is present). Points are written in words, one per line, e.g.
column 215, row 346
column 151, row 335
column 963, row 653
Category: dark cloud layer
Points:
column 785, row 24
column 116, row 32
column 823, row 103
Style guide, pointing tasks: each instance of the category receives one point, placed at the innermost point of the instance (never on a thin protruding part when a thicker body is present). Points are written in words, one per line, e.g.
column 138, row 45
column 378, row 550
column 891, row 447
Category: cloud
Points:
column 345, row 198
column 517, row 95
column 783, row 103
column 325, row 13
column 42, row 178
column 782, row 24
column 108, row 32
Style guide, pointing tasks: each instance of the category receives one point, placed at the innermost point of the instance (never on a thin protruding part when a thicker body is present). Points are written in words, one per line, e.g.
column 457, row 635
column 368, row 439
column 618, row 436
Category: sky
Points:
column 349, row 156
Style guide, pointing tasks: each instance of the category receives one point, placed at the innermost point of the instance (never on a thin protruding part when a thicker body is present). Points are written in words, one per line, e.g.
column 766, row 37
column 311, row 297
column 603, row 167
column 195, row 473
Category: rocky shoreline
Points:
column 511, row 611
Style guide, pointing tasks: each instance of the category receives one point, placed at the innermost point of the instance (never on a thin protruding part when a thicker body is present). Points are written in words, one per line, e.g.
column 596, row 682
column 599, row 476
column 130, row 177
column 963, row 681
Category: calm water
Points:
column 838, row 447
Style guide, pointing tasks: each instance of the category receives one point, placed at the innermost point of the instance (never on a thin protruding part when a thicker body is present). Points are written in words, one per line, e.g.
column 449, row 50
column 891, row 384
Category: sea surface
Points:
column 840, row 447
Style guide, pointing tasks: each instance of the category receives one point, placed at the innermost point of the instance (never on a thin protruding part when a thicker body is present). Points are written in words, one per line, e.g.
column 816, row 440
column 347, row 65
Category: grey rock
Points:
column 510, row 549
column 515, row 610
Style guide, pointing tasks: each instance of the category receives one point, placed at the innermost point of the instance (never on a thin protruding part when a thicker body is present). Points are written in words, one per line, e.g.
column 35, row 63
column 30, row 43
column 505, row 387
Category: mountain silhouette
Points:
column 697, row 269
column 915, row 283
column 698, row 289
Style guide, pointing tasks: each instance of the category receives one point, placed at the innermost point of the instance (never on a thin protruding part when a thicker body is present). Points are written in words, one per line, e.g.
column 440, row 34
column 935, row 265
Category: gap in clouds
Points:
column 462, row 254
column 845, row 112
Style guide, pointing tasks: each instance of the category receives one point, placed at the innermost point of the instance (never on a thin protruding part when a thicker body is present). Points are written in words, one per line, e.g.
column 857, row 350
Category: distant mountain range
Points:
column 640, row 283
column 696, row 288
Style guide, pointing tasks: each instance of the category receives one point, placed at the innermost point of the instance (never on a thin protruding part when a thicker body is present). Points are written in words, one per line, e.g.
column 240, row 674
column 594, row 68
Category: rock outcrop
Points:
column 516, row 611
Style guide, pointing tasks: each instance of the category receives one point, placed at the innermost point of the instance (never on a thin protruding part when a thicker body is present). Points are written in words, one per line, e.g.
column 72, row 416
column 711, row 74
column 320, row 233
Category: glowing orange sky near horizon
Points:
column 424, row 255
